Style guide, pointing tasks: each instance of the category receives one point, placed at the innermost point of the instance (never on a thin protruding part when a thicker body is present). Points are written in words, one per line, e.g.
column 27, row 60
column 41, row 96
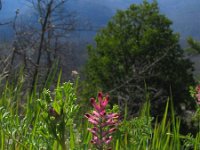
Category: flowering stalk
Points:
column 198, row 103
column 104, row 124
column 198, row 94
column 57, row 113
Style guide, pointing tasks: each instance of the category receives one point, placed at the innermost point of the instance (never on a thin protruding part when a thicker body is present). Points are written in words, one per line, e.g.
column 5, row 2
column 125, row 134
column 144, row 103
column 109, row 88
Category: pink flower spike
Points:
column 104, row 134
column 103, row 124
column 100, row 97
column 95, row 105
column 93, row 121
column 104, row 102
column 93, row 131
column 112, row 130
column 112, row 115
column 103, row 112
column 198, row 88
column 198, row 98
column 108, row 140
column 109, row 124
column 96, row 114
column 110, row 120
column 96, row 140
column 87, row 115
column 198, row 94
column 93, row 142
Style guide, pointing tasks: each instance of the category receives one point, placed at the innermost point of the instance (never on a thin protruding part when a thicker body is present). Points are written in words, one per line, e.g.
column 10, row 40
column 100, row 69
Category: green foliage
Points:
column 138, row 131
column 194, row 92
column 46, row 123
column 30, row 124
column 138, row 45
column 191, row 142
column 145, row 132
column 58, row 113
column 194, row 46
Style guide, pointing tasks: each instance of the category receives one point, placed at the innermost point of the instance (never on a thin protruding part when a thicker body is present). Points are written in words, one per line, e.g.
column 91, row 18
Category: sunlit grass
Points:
column 52, row 120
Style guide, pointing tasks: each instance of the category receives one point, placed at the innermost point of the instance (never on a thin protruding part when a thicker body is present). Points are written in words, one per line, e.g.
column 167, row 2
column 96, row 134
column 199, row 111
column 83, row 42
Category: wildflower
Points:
column 74, row 73
column 198, row 94
column 104, row 123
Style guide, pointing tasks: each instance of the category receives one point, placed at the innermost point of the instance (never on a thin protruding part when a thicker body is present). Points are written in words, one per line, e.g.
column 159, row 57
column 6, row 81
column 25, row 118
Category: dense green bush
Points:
column 136, row 47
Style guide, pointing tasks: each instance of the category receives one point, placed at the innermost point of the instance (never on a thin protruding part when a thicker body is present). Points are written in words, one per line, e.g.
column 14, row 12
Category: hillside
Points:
column 185, row 14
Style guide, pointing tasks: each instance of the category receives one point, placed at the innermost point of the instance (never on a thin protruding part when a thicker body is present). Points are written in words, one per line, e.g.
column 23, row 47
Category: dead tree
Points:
column 40, row 45
column 54, row 26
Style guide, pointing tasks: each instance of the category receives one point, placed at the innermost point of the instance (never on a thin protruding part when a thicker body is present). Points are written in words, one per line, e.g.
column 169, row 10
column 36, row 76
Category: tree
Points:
column 138, row 48
column 44, row 40
column 193, row 51
column 194, row 46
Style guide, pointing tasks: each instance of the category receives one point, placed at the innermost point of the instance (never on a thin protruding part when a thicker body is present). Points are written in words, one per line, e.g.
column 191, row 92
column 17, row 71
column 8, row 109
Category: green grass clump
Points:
column 52, row 120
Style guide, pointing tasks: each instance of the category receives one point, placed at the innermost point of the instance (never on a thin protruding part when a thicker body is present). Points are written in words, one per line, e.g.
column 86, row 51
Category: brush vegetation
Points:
column 54, row 120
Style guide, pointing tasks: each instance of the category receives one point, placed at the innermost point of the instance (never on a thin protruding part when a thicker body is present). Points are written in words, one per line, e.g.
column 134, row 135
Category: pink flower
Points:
column 198, row 94
column 198, row 88
column 108, row 139
column 104, row 124
column 101, row 105
column 198, row 98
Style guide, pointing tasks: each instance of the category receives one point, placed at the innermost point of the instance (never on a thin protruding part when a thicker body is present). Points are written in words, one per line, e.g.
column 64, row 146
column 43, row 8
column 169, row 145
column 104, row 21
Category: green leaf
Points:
column 56, row 107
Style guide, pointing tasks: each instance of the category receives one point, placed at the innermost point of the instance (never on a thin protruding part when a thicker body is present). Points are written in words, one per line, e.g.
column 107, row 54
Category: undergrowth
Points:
column 53, row 120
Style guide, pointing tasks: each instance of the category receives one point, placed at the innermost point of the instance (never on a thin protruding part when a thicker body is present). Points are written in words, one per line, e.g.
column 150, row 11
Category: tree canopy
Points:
column 138, row 48
column 194, row 46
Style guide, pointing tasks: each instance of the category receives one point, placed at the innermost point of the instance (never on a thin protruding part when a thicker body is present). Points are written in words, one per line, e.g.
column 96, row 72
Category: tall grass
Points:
column 52, row 120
